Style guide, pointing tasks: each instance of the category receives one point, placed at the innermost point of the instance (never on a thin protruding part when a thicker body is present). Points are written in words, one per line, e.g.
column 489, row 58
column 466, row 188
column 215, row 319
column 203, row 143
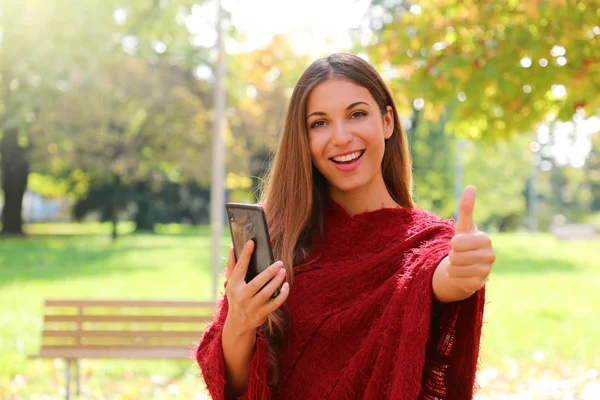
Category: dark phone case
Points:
column 248, row 222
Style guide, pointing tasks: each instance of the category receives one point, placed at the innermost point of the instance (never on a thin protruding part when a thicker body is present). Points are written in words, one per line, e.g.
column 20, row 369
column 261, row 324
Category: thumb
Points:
column 465, row 211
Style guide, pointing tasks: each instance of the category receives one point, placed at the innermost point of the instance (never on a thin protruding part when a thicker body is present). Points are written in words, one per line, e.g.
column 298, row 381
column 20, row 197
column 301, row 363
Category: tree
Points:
column 433, row 152
column 501, row 185
column 260, row 84
column 505, row 65
column 132, row 120
column 30, row 71
column 500, row 170
column 38, row 42
column 15, row 169
column 79, row 38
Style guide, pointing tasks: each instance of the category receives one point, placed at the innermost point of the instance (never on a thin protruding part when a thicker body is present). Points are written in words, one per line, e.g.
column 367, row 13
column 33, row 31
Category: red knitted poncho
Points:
column 363, row 323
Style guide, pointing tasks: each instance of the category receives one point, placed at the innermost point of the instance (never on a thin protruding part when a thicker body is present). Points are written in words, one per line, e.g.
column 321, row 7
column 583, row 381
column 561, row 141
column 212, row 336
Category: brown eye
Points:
column 359, row 114
column 317, row 124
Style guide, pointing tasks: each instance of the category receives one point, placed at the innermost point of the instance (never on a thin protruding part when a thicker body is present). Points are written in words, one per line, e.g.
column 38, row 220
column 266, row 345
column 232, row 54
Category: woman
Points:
column 379, row 299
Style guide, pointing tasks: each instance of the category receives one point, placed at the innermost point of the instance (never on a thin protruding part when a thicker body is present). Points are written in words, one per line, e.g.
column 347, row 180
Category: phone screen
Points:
column 248, row 222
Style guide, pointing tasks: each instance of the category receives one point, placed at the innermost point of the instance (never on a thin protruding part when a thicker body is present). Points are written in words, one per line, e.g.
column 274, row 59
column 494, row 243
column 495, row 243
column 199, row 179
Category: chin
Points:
column 349, row 185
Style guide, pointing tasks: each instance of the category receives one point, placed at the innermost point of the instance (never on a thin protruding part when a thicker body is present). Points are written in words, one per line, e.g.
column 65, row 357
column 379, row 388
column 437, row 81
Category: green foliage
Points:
column 501, row 184
column 500, row 172
column 433, row 154
column 129, row 119
column 499, row 64
column 259, row 86
column 76, row 185
column 110, row 90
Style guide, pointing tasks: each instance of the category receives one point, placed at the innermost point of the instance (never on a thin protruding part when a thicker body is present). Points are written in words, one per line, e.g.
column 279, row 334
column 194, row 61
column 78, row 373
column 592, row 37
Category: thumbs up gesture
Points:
column 468, row 266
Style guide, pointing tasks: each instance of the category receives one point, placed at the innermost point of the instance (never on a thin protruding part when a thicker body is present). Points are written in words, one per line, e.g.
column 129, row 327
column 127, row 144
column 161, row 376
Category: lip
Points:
column 351, row 166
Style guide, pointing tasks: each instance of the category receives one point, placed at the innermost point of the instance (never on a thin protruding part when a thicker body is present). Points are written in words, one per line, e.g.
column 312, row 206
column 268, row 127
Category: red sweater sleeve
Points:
column 211, row 361
column 455, row 332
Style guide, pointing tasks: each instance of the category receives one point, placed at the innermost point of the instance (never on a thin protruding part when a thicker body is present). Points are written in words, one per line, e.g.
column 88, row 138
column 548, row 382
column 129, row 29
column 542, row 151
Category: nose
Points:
column 341, row 136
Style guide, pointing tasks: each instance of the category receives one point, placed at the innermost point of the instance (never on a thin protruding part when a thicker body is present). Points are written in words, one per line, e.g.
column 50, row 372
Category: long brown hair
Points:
column 295, row 190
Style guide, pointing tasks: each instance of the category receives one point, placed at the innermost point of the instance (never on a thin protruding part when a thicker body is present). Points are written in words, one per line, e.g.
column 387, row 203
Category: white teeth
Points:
column 347, row 157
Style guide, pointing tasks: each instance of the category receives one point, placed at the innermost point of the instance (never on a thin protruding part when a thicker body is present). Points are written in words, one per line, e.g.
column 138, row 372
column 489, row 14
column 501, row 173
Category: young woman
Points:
column 379, row 299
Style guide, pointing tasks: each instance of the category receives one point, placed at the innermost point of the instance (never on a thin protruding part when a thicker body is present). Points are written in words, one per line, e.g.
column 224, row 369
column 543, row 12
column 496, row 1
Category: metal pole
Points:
column 68, row 379
column 217, row 197
column 78, row 378
column 533, row 191
column 533, row 197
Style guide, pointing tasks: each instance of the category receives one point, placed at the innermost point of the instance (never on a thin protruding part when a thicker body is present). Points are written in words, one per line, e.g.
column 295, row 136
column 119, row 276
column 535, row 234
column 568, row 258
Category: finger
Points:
column 472, row 257
column 261, row 279
column 241, row 267
column 477, row 271
column 469, row 242
column 266, row 292
column 278, row 301
column 230, row 262
column 465, row 211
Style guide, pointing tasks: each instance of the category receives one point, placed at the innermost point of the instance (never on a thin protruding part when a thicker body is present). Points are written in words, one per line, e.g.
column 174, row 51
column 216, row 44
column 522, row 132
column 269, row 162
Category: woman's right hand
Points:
column 249, row 305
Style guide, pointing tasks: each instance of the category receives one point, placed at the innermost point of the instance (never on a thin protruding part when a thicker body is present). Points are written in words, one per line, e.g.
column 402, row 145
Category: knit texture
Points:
column 363, row 323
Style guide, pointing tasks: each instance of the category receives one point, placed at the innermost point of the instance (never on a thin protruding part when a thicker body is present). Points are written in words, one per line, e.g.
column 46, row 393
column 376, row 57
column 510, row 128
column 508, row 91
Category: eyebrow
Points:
column 347, row 108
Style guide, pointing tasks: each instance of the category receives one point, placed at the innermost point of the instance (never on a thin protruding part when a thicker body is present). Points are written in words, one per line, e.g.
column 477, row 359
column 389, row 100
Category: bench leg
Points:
column 68, row 379
column 77, row 379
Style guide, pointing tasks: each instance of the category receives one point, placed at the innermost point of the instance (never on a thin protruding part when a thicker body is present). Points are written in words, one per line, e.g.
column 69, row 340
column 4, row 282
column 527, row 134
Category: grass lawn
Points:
column 542, row 324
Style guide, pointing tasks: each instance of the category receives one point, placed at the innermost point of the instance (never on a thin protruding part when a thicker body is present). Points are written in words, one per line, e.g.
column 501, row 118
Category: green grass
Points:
column 544, row 296
column 58, row 261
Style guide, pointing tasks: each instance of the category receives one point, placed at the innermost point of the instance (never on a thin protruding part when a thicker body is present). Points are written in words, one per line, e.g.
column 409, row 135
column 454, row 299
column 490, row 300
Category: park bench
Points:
column 87, row 329
column 574, row 231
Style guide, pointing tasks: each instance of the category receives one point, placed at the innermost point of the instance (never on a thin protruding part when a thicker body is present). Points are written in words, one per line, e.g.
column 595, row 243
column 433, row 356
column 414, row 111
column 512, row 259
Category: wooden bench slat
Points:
column 182, row 352
column 128, row 318
column 65, row 336
column 128, row 303
column 120, row 334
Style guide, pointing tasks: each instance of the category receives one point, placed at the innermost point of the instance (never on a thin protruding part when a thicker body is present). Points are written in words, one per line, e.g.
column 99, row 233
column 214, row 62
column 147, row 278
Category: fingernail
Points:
column 279, row 264
column 249, row 243
column 285, row 286
column 281, row 272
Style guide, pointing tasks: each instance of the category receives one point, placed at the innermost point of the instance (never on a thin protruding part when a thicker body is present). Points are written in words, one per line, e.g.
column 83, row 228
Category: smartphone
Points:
column 248, row 222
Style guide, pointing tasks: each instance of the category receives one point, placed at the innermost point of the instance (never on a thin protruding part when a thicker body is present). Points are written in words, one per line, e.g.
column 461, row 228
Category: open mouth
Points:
column 348, row 158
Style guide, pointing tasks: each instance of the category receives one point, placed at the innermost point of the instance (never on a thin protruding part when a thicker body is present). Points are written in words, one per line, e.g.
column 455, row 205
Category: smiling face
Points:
column 347, row 133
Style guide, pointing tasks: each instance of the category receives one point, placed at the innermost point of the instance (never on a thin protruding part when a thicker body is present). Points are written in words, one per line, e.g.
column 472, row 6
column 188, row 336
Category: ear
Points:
column 388, row 122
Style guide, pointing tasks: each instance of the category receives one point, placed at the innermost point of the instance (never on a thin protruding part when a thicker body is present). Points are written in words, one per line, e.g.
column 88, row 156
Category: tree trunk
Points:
column 144, row 218
column 15, row 170
column 114, row 209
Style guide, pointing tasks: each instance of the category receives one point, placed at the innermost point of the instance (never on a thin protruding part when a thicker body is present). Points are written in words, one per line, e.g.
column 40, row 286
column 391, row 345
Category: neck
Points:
column 366, row 198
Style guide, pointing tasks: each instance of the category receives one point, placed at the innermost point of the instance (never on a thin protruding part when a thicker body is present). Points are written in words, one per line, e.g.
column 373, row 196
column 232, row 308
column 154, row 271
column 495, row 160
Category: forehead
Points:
column 336, row 93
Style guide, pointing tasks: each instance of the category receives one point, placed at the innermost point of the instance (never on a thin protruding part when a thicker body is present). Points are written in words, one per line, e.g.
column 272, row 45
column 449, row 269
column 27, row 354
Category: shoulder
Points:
column 428, row 237
column 430, row 217
column 426, row 221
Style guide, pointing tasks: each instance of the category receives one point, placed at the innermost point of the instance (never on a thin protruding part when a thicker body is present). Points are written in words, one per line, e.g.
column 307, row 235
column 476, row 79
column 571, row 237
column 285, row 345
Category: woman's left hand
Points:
column 467, row 268
column 472, row 256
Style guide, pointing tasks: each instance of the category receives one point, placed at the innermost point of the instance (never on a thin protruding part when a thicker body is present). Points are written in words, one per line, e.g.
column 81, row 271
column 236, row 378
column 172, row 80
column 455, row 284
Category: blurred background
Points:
column 121, row 121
